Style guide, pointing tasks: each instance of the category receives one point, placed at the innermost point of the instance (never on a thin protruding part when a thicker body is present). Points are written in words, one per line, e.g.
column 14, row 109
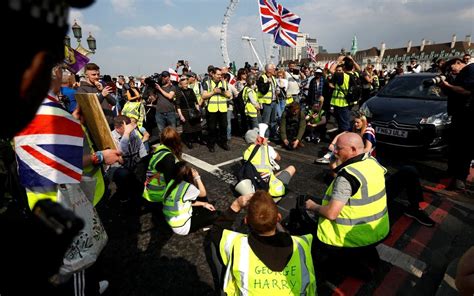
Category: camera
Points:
column 295, row 71
column 153, row 80
column 435, row 80
column 222, row 89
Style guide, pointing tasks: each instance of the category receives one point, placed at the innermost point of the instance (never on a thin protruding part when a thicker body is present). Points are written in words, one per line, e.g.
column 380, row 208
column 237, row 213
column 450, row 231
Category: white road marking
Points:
column 402, row 260
column 212, row 169
column 229, row 161
column 332, row 130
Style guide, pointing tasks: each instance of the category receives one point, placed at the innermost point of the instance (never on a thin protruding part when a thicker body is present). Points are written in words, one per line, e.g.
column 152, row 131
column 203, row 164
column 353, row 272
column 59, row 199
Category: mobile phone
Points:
column 181, row 62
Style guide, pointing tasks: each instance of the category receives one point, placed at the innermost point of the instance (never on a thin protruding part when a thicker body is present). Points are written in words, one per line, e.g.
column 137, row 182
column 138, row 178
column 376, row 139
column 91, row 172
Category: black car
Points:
column 410, row 111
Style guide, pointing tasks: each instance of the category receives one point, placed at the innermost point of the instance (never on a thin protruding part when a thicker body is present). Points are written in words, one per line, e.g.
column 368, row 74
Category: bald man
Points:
column 353, row 216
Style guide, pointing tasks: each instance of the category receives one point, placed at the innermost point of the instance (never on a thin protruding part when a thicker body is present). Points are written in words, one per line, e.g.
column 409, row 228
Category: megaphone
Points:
column 245, row 187
column 262, row 128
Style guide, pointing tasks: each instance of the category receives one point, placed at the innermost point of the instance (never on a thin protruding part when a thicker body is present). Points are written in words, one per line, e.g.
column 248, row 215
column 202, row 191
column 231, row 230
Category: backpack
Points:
column 298, row 222
column 248, row 171
column 354, row 93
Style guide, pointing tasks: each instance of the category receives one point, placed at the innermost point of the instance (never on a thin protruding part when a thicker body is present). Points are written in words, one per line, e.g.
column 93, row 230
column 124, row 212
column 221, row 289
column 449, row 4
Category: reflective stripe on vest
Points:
column 246, row 274
column 250, row 109
column 135, row 110
column 338, row 98
column 176, row 211
column 216, row 103
column 261, row 161
column 267, row 98
column 34, row 194
column 197, row 92
column 155, row 188
column 95, row 172
column 364, row 219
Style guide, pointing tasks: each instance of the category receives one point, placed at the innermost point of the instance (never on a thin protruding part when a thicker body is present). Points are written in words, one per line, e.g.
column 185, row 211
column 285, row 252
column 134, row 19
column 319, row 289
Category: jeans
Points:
column 269, row 117
column 229, row 124
column 280, row 108
column 220, row 135
column 253, row 121
column 343, row 118
column 164, row 119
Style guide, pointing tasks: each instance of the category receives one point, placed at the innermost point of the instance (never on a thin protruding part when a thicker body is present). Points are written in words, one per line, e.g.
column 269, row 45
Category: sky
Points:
column 142, row 37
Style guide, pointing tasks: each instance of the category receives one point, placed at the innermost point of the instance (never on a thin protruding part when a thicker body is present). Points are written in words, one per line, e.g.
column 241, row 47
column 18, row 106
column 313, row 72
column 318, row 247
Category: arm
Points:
column 367, row 146
column 283, row 127
column 333, row 66
column 330, row 211
column 302, row 126
column 199, row 184
column 262, row 85
column 146, row 136
column 333, row 142
column 457, row 89
column 169, row 95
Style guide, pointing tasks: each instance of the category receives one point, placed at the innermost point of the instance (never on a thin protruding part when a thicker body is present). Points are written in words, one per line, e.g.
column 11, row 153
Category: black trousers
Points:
column 215, row 134
column 460, row 156
column 406, row 178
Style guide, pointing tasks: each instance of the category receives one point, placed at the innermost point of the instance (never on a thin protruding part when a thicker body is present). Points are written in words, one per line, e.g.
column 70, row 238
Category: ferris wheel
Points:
column 270, row 49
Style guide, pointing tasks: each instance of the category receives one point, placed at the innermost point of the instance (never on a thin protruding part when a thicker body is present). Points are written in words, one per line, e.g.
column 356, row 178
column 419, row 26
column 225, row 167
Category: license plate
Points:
column 391, row 132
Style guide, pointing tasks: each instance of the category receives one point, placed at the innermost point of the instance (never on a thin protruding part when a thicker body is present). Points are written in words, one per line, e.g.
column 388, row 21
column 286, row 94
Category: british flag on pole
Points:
column 310, row 52
column 279, row 22
column 49, row 150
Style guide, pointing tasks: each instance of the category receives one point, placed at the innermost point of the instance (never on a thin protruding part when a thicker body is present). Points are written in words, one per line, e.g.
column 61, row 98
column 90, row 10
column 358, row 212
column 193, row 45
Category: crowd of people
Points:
column 58, row 175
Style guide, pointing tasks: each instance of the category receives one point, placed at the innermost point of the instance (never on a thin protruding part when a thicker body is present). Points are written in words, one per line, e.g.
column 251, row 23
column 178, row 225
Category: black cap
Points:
column 165, row 74
column 191, row 74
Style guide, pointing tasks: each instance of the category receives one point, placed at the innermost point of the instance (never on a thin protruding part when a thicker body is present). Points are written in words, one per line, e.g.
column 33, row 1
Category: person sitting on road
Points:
column 265, row 162
column 265, row 261
column 315, row 123
column 292, row 126
column 141, row 131
column 161, row 167
column 353, row 217
column 185, row 205
column 361, row 127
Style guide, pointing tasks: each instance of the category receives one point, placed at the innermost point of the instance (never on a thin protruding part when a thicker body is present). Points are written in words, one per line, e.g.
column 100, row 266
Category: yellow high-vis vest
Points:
column 250, row 109
column 176, row 211
column 155, row 184
column 267, row 98
column 218, row 102
column 246, row 274
column 364, row 219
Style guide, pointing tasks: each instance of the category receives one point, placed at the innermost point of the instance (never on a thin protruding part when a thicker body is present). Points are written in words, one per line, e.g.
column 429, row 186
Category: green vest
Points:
column 267, row 98
column 95, row 172
column 246, row 274
column 317, row 119
column 176, row 211
column 135, row 110
column 197, row 92
column 261, row 162
column 218, row 102
column 155, row 185
column 364, row 219
column 338, row 98
column 250, row 109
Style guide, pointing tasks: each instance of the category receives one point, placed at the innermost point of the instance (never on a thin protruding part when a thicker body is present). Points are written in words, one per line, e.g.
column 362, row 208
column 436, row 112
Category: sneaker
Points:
column 420, row 216
column 103, row 285
column 316, row 140
column 324, row 159
column 307, row 139
column 206, row 228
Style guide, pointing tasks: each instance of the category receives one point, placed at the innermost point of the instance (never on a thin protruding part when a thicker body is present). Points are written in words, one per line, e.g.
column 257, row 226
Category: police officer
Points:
column 264, row 262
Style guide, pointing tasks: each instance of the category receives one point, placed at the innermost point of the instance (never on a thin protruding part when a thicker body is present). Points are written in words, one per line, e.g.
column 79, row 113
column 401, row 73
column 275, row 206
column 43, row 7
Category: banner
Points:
column 74, row 61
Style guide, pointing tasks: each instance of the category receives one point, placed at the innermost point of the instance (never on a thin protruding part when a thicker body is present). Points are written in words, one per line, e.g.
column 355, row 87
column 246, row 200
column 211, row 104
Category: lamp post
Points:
column 77, row 32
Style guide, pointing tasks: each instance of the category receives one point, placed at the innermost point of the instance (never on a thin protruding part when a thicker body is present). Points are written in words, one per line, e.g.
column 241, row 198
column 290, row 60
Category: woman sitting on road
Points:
column 361, row 127
column 185, row 205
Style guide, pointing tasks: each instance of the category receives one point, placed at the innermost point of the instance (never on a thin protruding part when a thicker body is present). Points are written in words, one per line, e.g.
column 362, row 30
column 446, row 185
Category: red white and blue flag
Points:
column 49, row 150
column 279, row 22
column 310, row 52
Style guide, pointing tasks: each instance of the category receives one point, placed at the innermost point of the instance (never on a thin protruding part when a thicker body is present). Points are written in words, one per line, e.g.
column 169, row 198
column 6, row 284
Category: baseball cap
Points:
column 191, row 74
column 165, row 74
column 318, row 70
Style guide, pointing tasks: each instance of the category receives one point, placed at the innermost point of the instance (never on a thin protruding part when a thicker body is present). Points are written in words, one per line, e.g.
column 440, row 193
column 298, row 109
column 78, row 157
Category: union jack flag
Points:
column 310, row 52
column 280, row 22
column 49, row 150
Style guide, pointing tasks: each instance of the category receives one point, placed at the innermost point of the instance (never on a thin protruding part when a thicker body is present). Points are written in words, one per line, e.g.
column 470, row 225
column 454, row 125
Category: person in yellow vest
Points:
column 216, row 93
column 134, row 105
column 353, row 217
column 252, row 106
column 185, row 204
column 340, row 71
column 161, row 168
column 267, row 97
column 265, row 261
column 265, row 161
column 194, row 84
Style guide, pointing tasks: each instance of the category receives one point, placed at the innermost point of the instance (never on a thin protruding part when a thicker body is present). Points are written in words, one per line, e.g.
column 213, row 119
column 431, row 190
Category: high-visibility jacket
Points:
column 364, row 219
column 155, row 184
column 218, row 102
column 176, row 211
column 95, row 172
column 135, row 110
column 197, row 91
column 246, row 274
column 267, row 98
column 317, row 119
column 250, row 109
column 338, row 98
column 261, row 161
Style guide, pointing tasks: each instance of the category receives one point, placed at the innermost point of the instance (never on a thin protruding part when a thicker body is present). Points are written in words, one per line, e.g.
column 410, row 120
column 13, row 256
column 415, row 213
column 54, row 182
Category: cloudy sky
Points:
column 137, row 37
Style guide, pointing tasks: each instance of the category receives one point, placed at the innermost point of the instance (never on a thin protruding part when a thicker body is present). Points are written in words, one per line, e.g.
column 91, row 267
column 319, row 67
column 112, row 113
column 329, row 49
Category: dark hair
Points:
column 348, row 64
column 183, row 172
column 227, row 76
column 120, row 119
column 171, row 139
column 241, row 72
column 91, row 66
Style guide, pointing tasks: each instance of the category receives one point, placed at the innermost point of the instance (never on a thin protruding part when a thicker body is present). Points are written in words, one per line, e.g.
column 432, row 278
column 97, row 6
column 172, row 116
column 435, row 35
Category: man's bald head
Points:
column 348, row 145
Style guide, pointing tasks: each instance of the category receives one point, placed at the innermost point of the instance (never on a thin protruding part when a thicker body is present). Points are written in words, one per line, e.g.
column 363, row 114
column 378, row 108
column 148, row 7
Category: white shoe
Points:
column 103, row 285
column 324, row 159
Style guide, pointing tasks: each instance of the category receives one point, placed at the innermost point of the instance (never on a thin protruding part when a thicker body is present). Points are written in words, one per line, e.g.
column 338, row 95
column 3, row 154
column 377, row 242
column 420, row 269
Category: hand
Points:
column 99, row 85
column 195, row 173
column 209, row 206
column 77, row 114
column 106, row 91
column 241, row 202
column 129, row 128
column 112, row 156
column 216, row 90
column 181, row 117
column 286, row 142
column 312, row 206
column 295, row 143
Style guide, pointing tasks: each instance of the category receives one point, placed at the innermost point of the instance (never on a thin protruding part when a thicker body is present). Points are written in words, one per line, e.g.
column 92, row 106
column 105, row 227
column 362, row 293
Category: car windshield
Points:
column 416, row 87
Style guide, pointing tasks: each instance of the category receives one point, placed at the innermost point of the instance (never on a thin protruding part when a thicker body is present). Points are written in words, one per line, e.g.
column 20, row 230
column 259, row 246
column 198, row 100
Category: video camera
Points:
column 435, row 80
column 153, row 80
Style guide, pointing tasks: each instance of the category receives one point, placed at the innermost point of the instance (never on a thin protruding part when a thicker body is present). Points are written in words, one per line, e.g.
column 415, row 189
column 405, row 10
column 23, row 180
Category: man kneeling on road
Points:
column 353, row 217
column 265, row 261
column 264, row 161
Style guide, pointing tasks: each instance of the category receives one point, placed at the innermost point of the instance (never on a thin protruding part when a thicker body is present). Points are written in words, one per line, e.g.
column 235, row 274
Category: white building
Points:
column 299, row 52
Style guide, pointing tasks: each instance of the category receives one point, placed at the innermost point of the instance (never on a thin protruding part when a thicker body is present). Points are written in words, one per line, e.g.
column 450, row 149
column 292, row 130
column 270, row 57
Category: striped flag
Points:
column 174, row 76
column 49, row 150
column 310, row 52
column 280, row 22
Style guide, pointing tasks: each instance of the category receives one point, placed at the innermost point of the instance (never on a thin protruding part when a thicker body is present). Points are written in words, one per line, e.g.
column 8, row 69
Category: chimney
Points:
column 409, row 46
column 453, row 41
column 468, row 40
column 423, row 43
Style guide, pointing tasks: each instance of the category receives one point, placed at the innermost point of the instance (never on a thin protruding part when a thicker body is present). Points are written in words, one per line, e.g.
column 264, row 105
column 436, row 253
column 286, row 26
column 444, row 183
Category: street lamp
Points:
column 77, row 32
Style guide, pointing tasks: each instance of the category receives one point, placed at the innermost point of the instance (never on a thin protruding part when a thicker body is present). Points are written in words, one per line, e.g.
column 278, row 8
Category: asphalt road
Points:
column 143, row 257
